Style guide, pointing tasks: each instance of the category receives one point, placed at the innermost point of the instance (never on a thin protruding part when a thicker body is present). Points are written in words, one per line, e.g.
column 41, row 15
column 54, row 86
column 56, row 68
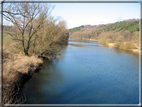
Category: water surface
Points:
column 86, row 73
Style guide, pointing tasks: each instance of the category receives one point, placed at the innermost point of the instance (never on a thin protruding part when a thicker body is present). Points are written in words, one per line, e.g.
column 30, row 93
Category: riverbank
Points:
column 17, row 70
column 112, row 45
column 92, row 39
column 85, row 39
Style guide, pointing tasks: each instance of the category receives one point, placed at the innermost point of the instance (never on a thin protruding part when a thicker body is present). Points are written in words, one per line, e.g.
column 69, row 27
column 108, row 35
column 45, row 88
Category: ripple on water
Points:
column 87, row 74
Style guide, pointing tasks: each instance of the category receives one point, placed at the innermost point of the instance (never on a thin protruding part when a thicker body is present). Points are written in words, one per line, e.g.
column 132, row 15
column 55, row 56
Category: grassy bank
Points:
column 120, row 40
column 34, row 34
column 17, row 69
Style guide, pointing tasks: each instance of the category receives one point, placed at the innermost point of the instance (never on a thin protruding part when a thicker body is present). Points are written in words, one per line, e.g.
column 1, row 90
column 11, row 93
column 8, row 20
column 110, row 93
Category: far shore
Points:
column 85, row 39
column 92, row 40
column 111, row 45
column 133, row 50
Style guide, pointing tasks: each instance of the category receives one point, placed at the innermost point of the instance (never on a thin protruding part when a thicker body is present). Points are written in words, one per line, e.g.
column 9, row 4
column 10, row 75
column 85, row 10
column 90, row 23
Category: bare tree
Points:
column 28, row 19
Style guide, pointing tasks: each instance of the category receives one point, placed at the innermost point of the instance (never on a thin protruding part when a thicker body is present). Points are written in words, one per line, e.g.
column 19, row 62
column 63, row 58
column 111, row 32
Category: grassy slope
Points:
column 18, row 68
column 15, row 65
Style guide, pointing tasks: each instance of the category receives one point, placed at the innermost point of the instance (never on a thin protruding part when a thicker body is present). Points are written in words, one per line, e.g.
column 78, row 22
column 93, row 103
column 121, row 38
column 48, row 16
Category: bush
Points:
column 128, row 46
column 102, row 41
column 135, row 38
column 119, row 39
column 117, row 45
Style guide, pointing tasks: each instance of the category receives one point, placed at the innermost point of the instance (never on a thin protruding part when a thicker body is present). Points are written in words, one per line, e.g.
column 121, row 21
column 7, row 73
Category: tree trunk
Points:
column 26, row 52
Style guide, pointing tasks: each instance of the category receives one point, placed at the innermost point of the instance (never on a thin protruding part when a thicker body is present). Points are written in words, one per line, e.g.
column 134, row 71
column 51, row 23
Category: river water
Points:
column 86, row 73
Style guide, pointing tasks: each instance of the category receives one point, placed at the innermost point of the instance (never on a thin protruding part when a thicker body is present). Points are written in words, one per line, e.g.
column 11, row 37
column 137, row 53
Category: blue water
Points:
column 86, row 73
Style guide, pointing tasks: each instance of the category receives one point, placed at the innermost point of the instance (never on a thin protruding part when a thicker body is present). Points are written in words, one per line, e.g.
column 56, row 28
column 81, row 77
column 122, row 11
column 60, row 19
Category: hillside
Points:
column 123, row 35
column 87, row 28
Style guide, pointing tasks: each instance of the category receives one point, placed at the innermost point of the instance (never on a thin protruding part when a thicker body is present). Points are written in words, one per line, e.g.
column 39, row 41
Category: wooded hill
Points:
column 87, row 28
column 123, row 34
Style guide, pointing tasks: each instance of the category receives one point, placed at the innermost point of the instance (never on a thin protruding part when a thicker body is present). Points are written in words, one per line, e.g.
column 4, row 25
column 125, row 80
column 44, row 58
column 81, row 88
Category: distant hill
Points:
column 87, row 28
column 124, row 34
column 76, row 28
column 131, row 25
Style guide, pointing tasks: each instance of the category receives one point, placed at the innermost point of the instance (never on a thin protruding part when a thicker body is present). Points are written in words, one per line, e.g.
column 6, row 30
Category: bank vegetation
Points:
column 33, row 35
column 122, row 35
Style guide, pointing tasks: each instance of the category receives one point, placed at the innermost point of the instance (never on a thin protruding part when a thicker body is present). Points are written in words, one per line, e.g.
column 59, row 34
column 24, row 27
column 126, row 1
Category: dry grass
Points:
column 17, row 63
column 13, row 65
column 22, row 63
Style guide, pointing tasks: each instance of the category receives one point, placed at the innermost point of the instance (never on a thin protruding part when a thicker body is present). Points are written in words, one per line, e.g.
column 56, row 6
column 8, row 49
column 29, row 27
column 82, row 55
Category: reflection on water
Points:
column 87, row 73
column 43, row 83
column 125, row 51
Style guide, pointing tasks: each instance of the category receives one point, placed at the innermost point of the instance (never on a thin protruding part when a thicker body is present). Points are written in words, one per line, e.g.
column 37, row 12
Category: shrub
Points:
column 117, row 45
column 119, row 39
column 128, row 46
column 135, row 38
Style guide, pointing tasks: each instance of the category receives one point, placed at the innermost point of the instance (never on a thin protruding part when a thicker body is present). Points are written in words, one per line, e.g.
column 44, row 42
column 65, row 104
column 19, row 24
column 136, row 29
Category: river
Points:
column 86, row 73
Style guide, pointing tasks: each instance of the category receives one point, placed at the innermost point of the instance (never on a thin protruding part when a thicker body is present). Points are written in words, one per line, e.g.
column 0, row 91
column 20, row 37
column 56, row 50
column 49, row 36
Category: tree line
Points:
column 76, row 28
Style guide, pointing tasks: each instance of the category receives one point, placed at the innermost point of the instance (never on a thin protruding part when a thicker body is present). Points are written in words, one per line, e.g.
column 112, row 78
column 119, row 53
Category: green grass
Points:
column 6, row 37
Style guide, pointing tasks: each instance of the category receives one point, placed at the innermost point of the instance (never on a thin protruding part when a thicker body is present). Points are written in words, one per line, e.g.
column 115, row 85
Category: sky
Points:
column 77, row 14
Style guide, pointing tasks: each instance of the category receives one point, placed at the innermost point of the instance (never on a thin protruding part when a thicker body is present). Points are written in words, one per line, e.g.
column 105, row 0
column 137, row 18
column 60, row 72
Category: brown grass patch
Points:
column 17, row 63
column 15, row 66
